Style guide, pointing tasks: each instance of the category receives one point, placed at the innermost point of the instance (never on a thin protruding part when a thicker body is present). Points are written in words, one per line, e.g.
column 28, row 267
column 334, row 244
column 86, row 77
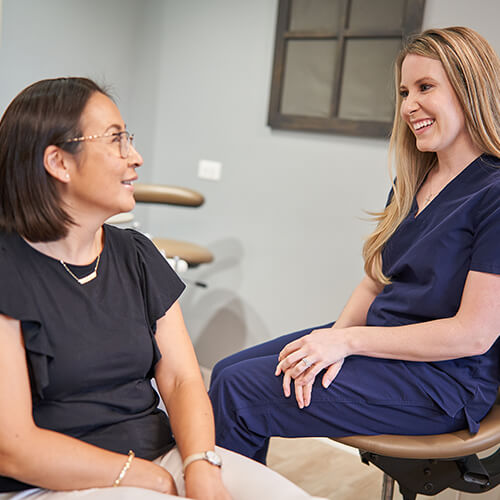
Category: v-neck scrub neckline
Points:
column 415, row 209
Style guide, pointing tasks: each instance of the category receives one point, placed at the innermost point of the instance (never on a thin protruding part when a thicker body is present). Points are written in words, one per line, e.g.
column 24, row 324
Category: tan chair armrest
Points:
column 170, row 195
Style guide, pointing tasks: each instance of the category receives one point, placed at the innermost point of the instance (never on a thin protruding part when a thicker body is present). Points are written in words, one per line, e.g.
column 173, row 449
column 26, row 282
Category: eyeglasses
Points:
column 124, row 137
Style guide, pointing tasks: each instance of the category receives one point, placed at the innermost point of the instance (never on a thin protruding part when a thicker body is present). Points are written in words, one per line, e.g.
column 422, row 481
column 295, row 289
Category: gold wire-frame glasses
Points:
column 125, row 138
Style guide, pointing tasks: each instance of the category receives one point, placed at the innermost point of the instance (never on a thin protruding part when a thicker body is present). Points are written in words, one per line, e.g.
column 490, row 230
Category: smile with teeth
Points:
column 128, row 183
column 422, row 124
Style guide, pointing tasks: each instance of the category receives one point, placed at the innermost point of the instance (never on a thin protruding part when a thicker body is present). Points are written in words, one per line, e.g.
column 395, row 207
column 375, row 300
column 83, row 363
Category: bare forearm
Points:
column 471, row 331
column 435, row 340
column 191, row 417
column 356, row 309
column 181, row 387
column 55, row 461
column 192, row 423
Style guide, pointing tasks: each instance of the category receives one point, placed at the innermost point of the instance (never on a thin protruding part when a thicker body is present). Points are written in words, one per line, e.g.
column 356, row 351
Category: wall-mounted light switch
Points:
column 208, row 169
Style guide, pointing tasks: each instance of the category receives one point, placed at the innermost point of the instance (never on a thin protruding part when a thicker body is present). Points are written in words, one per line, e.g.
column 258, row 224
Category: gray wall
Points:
column 285, row 221
column 44, row 39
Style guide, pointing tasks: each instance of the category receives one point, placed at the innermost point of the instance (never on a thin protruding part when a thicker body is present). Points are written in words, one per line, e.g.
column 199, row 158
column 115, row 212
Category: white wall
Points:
column 193, row 77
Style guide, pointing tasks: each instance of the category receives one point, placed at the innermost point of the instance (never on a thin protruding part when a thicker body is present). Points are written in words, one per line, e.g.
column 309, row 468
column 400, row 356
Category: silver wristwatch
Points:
column 210, row 456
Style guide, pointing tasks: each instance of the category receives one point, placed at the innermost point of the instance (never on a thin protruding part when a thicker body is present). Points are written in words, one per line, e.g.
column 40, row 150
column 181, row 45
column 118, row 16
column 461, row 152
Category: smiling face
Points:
column 431, row 108
column 100, row 179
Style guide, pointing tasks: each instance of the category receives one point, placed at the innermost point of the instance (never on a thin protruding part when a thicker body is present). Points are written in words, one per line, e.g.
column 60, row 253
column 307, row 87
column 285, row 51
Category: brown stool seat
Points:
column 454, row 444
column 170, row 195
column 190, row 252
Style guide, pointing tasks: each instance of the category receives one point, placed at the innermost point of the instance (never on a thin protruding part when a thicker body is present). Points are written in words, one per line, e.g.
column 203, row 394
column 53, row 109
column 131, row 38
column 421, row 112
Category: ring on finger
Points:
column 306, row 362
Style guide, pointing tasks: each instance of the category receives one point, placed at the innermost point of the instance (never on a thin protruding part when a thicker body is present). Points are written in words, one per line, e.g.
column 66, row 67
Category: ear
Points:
column 56, row 163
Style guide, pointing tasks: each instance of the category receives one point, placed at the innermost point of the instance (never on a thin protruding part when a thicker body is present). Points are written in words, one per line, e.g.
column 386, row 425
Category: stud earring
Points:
column 67, row 176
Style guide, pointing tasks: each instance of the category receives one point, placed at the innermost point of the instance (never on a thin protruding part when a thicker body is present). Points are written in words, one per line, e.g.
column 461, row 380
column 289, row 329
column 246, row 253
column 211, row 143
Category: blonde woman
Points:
column 415, row 349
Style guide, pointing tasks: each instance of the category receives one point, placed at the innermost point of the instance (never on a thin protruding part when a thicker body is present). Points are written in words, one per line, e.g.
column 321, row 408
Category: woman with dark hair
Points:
column 89, row 314
column 415, row 350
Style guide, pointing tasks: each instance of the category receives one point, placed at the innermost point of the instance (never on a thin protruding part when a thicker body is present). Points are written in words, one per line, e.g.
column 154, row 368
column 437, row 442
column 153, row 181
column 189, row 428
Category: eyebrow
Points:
column 115, row 126
column 419, row 81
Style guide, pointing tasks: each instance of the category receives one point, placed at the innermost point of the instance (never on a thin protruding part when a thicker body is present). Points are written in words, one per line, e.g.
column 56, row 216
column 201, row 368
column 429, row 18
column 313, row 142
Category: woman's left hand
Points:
column 302, row 359
column 204, row 482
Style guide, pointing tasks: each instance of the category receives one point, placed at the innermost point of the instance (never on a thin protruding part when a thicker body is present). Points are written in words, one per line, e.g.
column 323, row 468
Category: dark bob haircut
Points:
column 47, row 112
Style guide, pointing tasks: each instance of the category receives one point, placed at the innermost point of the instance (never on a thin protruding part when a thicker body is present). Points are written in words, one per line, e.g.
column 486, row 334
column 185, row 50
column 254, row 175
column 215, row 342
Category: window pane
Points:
column 367, row 82
column 314, row 15
column 308, row 77
column 378, row 14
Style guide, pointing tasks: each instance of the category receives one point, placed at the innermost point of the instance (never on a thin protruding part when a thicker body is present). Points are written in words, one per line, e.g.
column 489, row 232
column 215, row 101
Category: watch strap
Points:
column 199, row 456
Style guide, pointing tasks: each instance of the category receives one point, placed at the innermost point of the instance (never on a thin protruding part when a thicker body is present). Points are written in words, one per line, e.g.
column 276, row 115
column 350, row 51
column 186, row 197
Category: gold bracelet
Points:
column 126, row 467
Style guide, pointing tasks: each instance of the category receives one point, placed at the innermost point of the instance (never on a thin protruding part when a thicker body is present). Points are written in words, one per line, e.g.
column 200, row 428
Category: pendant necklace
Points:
column 430, row 196
column 428, row 199
column 87, row 278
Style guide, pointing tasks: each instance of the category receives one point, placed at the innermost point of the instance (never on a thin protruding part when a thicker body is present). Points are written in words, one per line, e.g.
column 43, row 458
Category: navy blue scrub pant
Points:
column 368, row 396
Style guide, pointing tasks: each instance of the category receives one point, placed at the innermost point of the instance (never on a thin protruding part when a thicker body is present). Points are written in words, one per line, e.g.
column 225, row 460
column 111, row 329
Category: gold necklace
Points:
column 87, row 278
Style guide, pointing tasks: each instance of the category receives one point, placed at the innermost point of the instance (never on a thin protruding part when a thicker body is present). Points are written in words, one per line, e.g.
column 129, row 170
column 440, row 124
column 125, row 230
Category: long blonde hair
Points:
column 473, row 68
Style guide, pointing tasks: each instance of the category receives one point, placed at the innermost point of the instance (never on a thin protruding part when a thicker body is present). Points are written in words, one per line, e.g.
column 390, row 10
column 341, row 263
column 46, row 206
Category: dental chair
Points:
column 180, row 251
column 171, row 195
column 180, row 254
column 429, row 464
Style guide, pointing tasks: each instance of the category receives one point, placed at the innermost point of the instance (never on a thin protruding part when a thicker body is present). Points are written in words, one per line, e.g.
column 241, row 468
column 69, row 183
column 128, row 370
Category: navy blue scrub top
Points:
column 428, row 259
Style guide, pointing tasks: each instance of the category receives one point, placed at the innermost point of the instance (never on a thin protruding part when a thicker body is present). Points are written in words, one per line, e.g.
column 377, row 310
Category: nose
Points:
column 134, row 157
column 409, row 105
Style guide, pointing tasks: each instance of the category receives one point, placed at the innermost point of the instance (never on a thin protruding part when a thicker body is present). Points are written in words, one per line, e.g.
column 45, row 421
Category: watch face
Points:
column 213, row 458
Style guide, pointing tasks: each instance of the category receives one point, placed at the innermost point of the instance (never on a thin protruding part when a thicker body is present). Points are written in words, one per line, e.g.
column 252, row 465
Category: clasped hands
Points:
column 302, row 359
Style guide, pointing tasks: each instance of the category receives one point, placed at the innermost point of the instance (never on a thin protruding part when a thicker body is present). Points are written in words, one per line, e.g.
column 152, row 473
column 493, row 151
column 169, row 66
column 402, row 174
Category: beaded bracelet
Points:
column 126, row 467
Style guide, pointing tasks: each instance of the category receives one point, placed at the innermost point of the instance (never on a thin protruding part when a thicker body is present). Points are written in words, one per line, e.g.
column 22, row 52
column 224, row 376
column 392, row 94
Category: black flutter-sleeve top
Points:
column 91, row 348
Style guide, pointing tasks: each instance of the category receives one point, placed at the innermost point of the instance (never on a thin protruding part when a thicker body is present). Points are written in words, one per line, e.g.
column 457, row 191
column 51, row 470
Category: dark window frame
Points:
column 412, row 22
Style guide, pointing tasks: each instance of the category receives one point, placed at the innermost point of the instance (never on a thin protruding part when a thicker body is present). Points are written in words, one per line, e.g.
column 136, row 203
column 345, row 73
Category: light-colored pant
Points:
column 244, row 478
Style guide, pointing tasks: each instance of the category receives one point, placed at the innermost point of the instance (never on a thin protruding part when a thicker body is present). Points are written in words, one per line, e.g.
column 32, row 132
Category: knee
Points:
column 219, row 367
column 220, row 392
column 228, row 386
column 222, row 375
